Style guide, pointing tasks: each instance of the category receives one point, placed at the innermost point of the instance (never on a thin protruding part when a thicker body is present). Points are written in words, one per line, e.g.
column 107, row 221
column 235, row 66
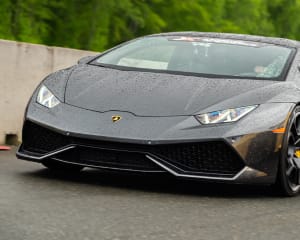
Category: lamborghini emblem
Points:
column 116, row 118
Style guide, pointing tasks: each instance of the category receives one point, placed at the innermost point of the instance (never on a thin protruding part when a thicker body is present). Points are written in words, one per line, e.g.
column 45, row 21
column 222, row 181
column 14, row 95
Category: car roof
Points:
column 243, row 37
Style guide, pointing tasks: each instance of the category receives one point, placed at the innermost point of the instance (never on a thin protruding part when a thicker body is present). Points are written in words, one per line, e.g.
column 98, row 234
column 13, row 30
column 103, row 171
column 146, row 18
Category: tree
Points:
column 100, row 24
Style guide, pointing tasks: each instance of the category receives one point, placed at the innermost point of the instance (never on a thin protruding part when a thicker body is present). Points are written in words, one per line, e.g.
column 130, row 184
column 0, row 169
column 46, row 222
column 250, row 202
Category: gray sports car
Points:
column 210, row 106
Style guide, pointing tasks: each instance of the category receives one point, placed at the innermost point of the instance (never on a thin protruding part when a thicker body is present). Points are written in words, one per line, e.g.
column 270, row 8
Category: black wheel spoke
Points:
column 293, row 132
column 296, row 125
column 292, row 139
column 290, row 170
column 297, row 142
column 291, row 151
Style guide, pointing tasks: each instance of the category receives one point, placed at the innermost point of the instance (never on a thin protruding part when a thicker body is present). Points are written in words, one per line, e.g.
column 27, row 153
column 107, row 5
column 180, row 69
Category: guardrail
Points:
column 22, row 67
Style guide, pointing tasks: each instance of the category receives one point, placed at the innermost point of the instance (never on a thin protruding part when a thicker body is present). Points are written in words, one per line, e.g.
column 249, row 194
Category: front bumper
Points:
column 245, row 175
column 228, row 152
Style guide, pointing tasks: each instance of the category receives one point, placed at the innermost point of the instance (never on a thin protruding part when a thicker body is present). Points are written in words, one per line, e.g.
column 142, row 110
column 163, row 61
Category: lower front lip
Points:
column 245, row 175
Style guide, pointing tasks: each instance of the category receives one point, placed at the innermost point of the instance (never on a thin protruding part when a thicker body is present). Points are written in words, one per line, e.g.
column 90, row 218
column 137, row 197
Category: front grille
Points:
column 108, row 158
column 40, row 139
column 215, row 157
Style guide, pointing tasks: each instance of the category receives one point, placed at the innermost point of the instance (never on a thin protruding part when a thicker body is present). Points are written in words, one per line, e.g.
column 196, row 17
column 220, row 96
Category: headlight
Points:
column 223, row 116
column 46, row 98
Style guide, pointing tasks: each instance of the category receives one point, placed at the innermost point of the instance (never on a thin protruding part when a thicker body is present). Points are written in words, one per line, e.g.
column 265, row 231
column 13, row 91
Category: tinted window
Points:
column 201, row 56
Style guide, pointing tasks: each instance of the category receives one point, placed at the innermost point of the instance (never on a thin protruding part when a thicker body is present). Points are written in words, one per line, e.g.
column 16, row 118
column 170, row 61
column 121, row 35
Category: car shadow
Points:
column 156, row 183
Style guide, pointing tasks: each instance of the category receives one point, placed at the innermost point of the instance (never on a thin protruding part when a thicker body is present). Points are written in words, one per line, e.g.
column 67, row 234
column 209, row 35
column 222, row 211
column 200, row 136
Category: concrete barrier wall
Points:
column 22, row 67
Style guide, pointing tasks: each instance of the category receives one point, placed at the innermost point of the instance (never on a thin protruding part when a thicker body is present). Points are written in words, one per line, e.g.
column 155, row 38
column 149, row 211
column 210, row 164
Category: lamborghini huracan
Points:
column 208, row 106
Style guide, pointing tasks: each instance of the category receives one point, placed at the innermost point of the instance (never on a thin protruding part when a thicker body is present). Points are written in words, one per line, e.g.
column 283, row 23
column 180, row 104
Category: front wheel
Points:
column 288, row 178
column 57, row 166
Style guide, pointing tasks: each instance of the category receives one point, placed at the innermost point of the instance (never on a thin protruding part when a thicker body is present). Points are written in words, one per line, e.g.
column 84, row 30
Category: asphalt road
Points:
column 37, row 204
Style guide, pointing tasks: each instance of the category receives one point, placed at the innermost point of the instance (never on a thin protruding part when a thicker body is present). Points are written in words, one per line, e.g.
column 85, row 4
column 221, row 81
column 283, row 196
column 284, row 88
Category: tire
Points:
column 287, row 183
column 61, row 167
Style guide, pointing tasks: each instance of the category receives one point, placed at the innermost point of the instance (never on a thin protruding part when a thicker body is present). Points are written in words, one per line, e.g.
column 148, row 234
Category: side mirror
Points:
column 85, row 59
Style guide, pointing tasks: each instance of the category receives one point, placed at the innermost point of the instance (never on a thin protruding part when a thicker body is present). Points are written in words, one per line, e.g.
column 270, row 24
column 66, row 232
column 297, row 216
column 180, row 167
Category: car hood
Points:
column 161, row 94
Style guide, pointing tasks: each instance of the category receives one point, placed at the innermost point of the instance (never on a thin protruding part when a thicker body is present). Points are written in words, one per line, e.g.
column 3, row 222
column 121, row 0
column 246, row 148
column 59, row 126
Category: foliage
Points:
column 100, row 24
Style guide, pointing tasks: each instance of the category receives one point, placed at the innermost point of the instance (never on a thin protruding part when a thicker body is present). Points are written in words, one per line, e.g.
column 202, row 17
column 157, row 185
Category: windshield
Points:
column 199, row 55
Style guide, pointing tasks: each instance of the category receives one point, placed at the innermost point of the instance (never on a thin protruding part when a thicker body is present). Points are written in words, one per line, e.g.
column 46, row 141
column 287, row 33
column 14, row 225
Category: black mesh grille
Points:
column 206, row 157
column 214, row 156
column 40, row 139
column 109, row 158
